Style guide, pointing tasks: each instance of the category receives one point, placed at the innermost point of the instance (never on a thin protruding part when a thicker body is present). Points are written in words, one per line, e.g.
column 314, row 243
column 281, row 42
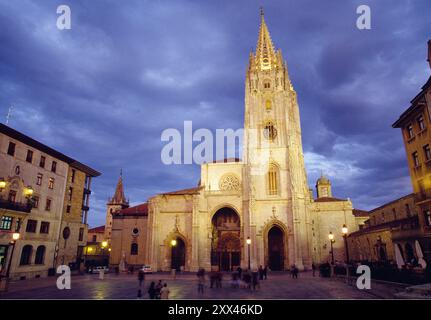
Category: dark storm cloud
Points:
column 104, row 91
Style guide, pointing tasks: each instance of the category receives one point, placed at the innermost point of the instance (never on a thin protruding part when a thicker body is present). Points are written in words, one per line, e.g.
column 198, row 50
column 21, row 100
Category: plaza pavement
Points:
column 125, row 286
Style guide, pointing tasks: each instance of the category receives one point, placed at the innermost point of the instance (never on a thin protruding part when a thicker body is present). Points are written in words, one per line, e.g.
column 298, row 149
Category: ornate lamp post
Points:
column 104, row 245
column 331, row 240
column 248, row 245
column 174, row 264
column 2, row 184
column 344, row 230
column 15, row 237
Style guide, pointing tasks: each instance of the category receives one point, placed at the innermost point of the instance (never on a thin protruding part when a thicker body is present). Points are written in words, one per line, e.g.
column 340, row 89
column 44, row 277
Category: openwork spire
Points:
column 265, row 52
column 119, row 196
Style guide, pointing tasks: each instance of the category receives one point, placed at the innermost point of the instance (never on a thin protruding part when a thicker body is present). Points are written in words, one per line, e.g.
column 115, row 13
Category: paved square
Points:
column 125, row 286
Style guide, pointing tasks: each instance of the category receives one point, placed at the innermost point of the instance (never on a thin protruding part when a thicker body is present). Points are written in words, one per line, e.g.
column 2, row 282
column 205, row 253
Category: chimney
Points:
column 429, row 52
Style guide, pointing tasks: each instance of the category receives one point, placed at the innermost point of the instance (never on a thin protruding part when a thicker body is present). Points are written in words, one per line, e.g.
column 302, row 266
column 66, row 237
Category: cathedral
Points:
column 247, row 212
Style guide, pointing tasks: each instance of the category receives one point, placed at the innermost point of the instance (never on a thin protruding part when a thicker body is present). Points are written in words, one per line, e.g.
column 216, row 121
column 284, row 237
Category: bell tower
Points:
column 117, row 202
column 274, row 167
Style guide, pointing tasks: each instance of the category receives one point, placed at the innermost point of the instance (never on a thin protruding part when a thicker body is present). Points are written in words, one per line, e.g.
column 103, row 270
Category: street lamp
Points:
column 331, row 239
column 248, row 245
column 28, row 191
column 173, row 242
column 2, row 184
column 15, row 237
column 344, row 230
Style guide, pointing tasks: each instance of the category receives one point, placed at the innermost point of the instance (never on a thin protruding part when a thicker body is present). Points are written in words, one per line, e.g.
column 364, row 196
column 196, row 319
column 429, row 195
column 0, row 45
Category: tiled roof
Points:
column 100, row 229
column 194, row 190
column 139, row 210
column 328, row 199
column 360, row 213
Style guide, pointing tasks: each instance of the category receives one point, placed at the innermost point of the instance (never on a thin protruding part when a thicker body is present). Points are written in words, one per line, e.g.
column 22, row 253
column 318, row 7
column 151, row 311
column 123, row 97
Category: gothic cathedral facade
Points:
column 250, row 212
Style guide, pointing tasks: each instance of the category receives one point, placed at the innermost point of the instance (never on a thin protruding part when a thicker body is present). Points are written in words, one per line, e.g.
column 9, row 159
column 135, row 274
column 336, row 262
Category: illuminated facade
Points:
column 264, row 197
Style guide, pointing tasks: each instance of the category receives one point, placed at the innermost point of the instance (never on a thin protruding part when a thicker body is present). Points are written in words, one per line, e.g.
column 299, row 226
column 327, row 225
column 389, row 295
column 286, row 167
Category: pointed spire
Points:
column 119, row 196
column 265, row 51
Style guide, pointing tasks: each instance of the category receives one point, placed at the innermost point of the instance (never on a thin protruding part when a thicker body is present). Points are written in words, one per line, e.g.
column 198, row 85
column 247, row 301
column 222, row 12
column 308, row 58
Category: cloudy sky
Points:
column 104, row 91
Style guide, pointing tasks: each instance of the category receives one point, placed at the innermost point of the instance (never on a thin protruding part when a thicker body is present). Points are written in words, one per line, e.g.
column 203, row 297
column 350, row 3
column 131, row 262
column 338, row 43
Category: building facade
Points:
column 257, row 210
column 33, row 183
column 400, row 231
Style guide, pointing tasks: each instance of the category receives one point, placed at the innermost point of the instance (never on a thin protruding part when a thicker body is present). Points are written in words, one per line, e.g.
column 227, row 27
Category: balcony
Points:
column 87, row 191
column 423, row 196
column 407, row 228
column 85, row 208
column 15, row 206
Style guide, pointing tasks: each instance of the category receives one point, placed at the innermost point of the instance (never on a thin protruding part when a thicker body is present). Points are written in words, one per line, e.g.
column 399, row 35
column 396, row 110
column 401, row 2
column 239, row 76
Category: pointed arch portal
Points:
column 178, row 254
column 226, row 243
column 276, row 248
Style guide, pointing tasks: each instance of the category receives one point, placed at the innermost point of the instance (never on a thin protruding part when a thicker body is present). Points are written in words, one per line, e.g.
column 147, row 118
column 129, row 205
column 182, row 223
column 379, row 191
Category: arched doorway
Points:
column 276, row 248
column 178, row 254
column 410, row 255
column 226, row 243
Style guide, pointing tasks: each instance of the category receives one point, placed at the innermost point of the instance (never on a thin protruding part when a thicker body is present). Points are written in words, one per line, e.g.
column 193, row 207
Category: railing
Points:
column 15, row 206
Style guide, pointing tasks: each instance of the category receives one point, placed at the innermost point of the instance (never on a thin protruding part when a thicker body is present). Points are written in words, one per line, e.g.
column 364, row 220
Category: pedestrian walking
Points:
column 255, row 280
column 219, row 277
column 159, row 287
column 201, row 280
column 265, row 272
column 313, row 267
column 239, row 270
column 295, row 272
column 141, row 277
column 164, row 292
column 152, row 292
column 260, row 270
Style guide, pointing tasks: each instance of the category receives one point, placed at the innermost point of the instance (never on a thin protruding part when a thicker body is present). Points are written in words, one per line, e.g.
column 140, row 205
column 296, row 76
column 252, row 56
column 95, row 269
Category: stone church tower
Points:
column 117, row 202
column 273, row 156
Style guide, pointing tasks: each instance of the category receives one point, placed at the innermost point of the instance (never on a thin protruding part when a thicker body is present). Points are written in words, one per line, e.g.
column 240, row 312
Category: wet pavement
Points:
column 125, row 286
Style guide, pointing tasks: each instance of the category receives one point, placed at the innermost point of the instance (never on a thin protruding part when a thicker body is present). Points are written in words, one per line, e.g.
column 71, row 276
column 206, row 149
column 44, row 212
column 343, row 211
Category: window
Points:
column 12, row 196
column 408, row 210
column 70, row 193
column 40, row 255
column 35, row 202
column 44, row 227
column 421, row 122
column 427, row 152
column 394, row 212
column 66, row 233
column 6, row 223
column 48, row 205
column 11, row 149
column 68, row 209
column 81, row 234
column 54, row 166
column 427, row 214
column 267, row 85
column 31, row 226
column 272, row 180
column 39, row 179
column 270, row 132
column 383, row 217
column 94, row 238
column 415, row 159
column 51, row 183
column 29, row 157
column 134, row 249
column 410, row 132
column 42, row 161
column 26, row 255
column 72, row 178
column 18, row 224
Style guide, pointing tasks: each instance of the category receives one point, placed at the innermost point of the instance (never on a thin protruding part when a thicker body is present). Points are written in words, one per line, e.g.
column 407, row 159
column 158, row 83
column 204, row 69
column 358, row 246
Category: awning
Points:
column 399, row 256
column 420, row 255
